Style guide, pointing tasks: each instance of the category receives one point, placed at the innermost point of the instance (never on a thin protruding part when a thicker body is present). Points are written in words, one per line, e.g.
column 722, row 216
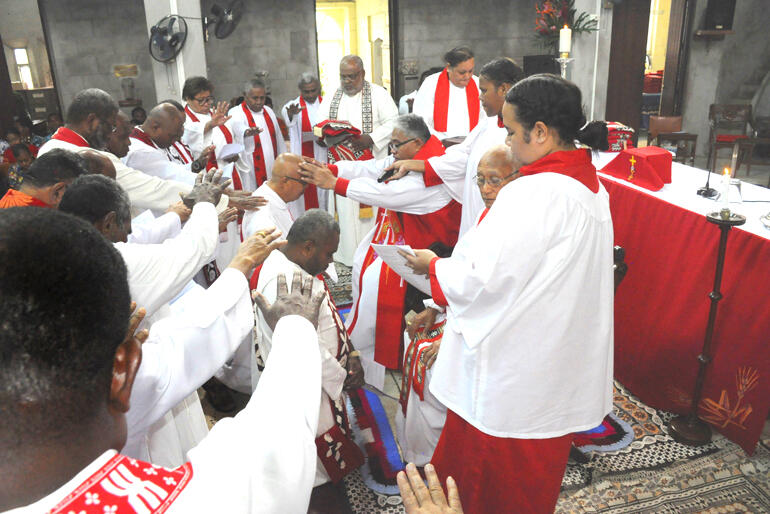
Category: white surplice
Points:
column 527, row 350
column 353, row 229
column 296, row 138
column 156, row 161
column 261, row 461
column 145, row 191
column 332, row 373
column 147, row 229
column 202, row 332
column 458, row 119
column 194, row 135
column 408, row 195
column 237, row 125
column 275, row 214
column 457, row 168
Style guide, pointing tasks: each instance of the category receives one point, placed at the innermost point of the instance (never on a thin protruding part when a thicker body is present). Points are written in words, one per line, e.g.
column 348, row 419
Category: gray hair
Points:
column 307, row 78
column 315, row 225
column 253, row 84
column 353, row 59
column 413, row 126
column 91, row 101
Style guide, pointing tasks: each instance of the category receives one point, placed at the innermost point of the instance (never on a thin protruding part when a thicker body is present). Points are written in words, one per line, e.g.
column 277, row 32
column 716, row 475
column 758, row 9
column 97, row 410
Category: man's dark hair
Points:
column 502, row 70
column 195, row 85
column 413, row 126
column 61, row 323
column 91, row 101
column 315, row 225
column 91, row 197
column 18, row 149
column 55, row 166
column 457, row 55
column 136, row 110
column 427, row 73
column 12, row 130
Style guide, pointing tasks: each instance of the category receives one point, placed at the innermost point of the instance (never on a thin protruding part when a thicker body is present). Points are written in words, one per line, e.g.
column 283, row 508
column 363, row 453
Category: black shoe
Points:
column 219, row 395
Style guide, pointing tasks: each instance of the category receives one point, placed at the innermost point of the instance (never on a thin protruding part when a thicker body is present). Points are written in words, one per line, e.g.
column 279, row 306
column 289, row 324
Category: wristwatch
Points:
column 196, row 166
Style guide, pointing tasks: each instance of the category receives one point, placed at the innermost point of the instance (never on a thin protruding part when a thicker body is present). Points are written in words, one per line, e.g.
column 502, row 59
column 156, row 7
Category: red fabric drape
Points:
column 661, row 310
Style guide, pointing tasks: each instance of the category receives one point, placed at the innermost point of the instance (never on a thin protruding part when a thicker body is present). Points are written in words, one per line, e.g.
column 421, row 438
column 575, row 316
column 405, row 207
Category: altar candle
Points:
column 726, row 188
column 565, row 40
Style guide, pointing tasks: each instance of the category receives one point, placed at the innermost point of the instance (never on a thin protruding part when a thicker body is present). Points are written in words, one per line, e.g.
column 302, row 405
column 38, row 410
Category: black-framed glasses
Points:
column 395, row 146
column 296, row 180
column 205, row 100
column 493, row 181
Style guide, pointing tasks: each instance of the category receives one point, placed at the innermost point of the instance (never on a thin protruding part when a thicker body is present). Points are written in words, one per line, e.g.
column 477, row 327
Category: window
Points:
column 22, row 63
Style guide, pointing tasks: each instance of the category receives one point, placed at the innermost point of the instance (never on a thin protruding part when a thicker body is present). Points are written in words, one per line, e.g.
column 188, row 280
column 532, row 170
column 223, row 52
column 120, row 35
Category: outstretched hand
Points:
column 419, row 499
column 208, row 188
column 219, row 115
column 301, row 301
column 255, row 250
column 402, row 168
column 293, row 109
column 317, row 174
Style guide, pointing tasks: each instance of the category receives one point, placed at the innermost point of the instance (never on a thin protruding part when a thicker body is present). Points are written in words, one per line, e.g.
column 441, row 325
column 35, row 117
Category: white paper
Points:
column 229, row 150
column 389, row 254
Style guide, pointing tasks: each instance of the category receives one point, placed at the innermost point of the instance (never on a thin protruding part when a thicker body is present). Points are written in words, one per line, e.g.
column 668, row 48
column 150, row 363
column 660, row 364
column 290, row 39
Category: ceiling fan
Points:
column 224, row 19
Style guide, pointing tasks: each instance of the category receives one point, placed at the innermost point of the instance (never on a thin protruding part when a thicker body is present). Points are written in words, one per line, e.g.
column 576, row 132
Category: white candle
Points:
column 726, row 188
column 565, row 40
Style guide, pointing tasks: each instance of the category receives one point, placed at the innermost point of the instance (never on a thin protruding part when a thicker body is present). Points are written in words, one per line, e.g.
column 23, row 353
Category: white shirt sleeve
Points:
column 264, row 459
column 423, row 100
column 371, row 168
column 147, row 191
column 154, row 162
column 385, row 116
column 408, row 195
column 157, row 273
column 285, row 114
column 195, row 137
column 185, row 350
column 156, row 230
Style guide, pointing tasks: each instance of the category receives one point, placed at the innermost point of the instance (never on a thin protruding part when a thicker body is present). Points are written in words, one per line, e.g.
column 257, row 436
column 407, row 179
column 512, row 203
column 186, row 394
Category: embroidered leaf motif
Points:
column 722, row 413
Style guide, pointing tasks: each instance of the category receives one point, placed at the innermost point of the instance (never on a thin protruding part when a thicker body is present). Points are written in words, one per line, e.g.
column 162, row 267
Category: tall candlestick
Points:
column 565, row 40
column 725, row 198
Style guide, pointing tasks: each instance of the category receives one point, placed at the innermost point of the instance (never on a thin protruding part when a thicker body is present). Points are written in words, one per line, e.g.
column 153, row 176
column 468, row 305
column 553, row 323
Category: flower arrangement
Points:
column 552, row 15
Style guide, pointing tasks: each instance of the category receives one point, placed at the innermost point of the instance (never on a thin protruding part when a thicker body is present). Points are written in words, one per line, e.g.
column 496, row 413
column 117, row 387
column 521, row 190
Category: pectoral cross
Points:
column 633, row 170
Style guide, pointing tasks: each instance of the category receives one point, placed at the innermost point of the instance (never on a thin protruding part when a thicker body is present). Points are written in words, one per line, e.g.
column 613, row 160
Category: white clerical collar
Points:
column 51, row 500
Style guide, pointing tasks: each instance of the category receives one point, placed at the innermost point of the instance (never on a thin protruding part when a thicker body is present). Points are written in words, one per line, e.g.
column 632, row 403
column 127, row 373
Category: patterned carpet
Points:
column 652, row 474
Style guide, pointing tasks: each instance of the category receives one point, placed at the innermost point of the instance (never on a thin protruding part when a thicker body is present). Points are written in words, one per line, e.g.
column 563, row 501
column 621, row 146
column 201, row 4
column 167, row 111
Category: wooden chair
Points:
column 666, row 132
column 729, row 124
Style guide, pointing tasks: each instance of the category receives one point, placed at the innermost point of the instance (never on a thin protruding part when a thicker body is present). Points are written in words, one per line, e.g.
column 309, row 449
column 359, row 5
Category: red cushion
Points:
column 730, row 138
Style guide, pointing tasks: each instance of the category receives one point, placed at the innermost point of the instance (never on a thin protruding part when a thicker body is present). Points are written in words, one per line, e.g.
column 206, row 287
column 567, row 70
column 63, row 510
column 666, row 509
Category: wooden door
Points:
column 630, row 20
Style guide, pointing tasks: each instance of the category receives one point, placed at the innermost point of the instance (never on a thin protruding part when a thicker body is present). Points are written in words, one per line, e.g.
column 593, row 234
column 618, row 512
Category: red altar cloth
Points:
column 662, row 306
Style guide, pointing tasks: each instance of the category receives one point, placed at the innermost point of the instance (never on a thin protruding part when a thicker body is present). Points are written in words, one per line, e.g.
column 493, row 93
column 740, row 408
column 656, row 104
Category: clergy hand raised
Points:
column 419, row 499
column 208, row 187
column 293, row 109
column 180, row 210
column 301, row 301
column 225, row 217
column 420, row 261
column 218, row 116
column 251, row 131
column 255, row 250
column 317, row 174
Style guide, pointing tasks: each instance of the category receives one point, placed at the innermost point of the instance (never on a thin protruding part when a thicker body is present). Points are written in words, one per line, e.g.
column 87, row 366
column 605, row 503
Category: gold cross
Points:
column 633, row 170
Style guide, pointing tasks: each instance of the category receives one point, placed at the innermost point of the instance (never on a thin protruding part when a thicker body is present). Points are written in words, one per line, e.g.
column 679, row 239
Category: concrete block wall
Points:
column 276, row 36
column 88, row 37
column 492, row 28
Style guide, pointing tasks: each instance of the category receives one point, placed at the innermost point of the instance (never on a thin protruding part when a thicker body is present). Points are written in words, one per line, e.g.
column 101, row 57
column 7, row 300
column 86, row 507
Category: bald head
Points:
column 118, row 142
column 496, row 168
column 164, row 124
column 98, row 164
column 285, row 180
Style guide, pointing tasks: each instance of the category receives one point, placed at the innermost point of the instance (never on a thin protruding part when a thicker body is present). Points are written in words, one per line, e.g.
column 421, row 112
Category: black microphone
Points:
column 706, row 191
column 385, row 176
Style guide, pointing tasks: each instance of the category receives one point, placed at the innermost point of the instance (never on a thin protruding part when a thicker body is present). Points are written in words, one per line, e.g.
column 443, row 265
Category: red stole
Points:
column 260, row 170
column 308, row 150
column 184, row 152
column 483, row 215
column 71, row 137
column 391, row 291
column 14, row 198
column 123, row 484
column 441, row 102
column 237, row 184
column 572, row 163
column 140, row 135
column 191, row 114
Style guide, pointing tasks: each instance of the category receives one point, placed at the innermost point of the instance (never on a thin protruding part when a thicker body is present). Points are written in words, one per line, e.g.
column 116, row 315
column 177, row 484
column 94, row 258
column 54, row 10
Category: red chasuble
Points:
column 441, row 103
column 260, row 170
column 419, row 231
column 15, row 198
column 308, row 150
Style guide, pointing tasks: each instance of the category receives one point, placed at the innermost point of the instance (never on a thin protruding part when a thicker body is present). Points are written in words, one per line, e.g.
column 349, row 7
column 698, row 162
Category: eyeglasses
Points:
column 296, row 180
column 493, row 181
column 394, row 146
column 205, row 100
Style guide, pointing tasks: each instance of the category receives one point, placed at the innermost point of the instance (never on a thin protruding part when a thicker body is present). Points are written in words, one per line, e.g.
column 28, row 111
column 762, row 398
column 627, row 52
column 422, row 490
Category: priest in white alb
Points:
column 370, row 109
column 202, row 115
column 526, row 358
column 255, row 126
column 448, row 100
column 301, row 115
